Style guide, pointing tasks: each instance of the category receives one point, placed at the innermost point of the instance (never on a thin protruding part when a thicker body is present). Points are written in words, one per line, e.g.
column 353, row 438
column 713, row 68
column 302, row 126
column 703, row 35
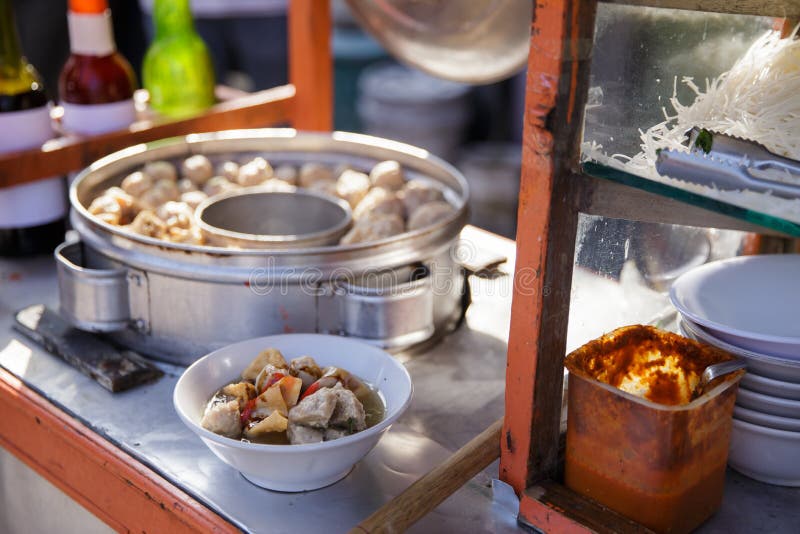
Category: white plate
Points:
column 770, row 386
column 752, row 302
column 764, row 419
column 770, row 366
column 765, row 454
column 768, row 404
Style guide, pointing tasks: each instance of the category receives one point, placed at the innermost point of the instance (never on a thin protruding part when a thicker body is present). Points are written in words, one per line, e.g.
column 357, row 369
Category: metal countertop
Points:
column 459, row 385
column 459, row 391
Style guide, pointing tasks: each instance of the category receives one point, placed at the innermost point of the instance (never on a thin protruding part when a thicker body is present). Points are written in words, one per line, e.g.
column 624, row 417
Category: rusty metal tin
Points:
column 660, row 465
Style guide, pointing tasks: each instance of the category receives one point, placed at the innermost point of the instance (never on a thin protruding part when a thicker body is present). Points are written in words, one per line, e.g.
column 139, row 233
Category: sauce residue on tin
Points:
column 645, row 361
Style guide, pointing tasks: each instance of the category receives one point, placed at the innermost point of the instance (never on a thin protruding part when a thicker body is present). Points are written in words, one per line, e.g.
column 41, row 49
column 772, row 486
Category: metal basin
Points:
column 475, row 41
column 255, row 218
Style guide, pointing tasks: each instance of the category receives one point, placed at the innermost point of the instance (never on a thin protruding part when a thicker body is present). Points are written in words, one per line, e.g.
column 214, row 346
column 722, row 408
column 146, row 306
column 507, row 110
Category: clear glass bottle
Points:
column 32, row 215
column 97, row 83
column 177, row 69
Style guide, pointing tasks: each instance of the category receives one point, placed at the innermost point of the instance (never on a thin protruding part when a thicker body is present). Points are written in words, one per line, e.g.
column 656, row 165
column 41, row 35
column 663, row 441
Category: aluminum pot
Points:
column 176, row 302
column 258, row 218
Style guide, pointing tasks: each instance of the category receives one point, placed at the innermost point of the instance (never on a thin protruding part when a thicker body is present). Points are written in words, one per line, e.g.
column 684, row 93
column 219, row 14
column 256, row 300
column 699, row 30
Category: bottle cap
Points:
column 88, row 6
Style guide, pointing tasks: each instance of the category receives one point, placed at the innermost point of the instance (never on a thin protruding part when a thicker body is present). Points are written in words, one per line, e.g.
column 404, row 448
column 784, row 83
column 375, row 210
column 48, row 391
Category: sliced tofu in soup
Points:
column 223, row 418
column 276, row 422
column 268, row 376
column 241, row 391
column 290, row 389
column 268, row 402
column 306, row 369
column 265, row 357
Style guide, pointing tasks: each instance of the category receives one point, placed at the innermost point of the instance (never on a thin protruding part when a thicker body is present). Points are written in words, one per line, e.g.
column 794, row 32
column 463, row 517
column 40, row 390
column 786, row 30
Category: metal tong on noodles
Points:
column 730, row 163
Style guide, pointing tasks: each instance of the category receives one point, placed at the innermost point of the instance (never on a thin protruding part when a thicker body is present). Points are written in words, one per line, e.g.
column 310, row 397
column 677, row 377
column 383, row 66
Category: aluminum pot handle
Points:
column 391, row 317
column 91, row 299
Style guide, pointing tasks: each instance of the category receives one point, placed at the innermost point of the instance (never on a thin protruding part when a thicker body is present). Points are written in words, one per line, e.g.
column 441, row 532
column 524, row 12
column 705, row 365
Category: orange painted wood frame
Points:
column 553, row 508
column 67, row 154
column 310, row 65
column 550, row 520
column 558, row 69
column 106, row 481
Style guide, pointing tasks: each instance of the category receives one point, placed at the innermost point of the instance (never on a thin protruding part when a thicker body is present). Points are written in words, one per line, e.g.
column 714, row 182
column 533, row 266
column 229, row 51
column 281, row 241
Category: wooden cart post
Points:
column 550, row 198
column 558, row 72
column 310, row 64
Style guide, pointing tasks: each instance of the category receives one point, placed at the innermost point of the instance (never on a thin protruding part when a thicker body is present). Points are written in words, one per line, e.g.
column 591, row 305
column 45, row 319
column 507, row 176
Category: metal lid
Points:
column 259, row 218
column 284, row 145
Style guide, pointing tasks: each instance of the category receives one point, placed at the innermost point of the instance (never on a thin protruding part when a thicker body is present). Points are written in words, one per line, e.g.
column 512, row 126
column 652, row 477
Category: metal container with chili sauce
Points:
column 638, row 441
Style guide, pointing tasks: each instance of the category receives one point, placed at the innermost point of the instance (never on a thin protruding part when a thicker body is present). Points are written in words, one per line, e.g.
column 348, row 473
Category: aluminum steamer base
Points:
column 176, row 302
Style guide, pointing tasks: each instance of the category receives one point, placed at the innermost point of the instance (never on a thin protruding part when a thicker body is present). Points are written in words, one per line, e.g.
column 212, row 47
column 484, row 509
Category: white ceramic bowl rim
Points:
column 287, row 449
column 770, row 399
column 768, row 418
column 710, row 323
column 767, row 430
column 768, row 382
column 693, row 328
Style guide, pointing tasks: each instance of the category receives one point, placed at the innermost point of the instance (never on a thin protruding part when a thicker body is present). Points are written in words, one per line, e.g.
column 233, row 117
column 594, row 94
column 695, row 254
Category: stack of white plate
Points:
column 750, row 307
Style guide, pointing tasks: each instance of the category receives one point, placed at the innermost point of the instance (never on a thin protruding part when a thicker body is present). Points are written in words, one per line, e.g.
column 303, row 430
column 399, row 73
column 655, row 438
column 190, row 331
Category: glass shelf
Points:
column 759, row 218
column 642, row 58
column 773, row 8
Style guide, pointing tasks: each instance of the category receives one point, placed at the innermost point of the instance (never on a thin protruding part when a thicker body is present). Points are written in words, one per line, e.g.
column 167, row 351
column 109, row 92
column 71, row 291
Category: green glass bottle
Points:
column 177, row 69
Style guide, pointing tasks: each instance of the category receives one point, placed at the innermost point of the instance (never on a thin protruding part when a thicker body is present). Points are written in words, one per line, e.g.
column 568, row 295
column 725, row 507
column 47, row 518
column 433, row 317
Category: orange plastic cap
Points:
column 88, row 6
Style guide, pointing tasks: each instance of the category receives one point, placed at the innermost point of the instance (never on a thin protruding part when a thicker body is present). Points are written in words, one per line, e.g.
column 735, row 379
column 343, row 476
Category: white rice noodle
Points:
column 758, row 99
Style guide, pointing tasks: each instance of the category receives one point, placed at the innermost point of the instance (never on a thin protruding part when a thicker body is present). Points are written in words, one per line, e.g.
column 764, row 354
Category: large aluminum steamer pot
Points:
column 176, row 302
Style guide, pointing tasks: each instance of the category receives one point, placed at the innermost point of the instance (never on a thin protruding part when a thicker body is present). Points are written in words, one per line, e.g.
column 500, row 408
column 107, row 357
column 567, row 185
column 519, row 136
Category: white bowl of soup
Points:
column 205, row 399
